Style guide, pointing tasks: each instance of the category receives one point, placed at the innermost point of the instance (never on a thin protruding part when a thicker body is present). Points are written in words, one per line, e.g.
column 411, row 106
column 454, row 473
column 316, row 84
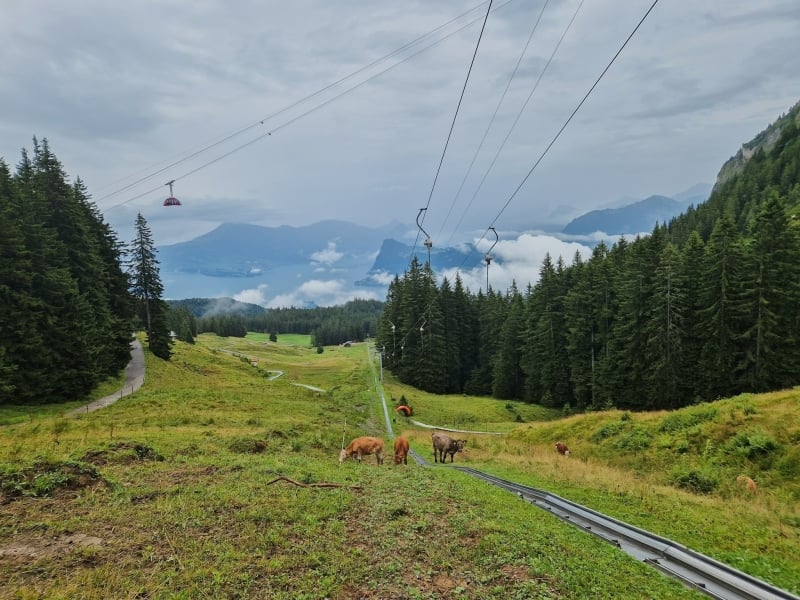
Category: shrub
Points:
column 687, row 418
column 44, row 478
column 635, row 439
column 608, row 430
column 697, row 480
column 751, row 445
column 789, row 465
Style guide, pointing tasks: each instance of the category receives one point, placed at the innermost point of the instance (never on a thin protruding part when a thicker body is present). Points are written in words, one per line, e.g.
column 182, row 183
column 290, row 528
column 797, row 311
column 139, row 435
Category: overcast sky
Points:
column 122, row 91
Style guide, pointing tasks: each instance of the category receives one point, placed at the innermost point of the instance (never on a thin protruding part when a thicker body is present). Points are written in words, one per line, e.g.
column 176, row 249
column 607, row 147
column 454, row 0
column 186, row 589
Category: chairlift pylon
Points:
column 428, row 241
column 488, row 257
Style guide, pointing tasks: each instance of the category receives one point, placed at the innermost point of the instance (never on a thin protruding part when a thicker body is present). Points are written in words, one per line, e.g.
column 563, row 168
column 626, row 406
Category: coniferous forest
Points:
column 65, row 321
column 706, row 306
column 67, row 303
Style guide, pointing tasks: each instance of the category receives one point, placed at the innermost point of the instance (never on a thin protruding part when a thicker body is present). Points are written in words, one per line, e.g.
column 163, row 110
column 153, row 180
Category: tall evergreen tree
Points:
column 770, row 336
column 147, row 289
column 664, row 331
column 491, row 312
column 691, row 383
column 544, row 358
column 721, row 313
column 508, row 381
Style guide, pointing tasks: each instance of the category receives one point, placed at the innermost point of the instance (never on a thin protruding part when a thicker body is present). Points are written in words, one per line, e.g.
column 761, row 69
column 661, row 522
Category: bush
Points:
column 697, row 480
column 789, row 465
column 687, row 418
column 635, row 439
column 608, row 430
column 44, row 478
column 752, row 445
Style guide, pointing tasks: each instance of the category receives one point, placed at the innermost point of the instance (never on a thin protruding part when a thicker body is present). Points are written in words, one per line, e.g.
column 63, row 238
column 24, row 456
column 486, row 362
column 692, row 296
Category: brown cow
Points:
column 444, row 445
column 562, row 448
column 401, row 451
column 361, row 446
column 748, row 483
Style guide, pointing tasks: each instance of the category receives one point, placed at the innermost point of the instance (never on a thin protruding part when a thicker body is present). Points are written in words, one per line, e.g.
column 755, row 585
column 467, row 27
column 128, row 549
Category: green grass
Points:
column 172, row 493
column 286, row 339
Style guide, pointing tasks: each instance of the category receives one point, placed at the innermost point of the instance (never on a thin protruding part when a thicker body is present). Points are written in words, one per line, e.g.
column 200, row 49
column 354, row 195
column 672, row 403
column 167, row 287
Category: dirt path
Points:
column 134, row 378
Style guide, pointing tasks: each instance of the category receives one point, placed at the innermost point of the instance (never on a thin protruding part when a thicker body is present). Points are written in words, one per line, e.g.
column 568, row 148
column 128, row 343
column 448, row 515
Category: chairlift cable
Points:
column 311, row 110
column 516, row 120
column 561, row 130
column 453, row 123
column 494, row 116
column 555, row 138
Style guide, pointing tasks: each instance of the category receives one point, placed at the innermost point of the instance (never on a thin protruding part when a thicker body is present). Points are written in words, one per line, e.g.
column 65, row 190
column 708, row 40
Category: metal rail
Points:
column 693, row 569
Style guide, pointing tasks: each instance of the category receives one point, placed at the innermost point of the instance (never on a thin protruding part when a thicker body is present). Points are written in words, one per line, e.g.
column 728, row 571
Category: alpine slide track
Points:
column 694, row 570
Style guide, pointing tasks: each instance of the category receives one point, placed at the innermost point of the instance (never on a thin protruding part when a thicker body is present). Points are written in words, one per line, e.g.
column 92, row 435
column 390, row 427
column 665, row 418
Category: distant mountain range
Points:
column 235, row 256
column 637, row 217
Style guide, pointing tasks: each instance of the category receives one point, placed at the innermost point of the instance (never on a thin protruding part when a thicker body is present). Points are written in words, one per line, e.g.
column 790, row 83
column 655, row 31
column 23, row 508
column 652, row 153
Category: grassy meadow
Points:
column 217, row 480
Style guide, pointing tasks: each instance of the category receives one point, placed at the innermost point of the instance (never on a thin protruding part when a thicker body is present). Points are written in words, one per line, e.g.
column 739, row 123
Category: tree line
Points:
column 328, row 325
column 69, row 299
column 704, row 307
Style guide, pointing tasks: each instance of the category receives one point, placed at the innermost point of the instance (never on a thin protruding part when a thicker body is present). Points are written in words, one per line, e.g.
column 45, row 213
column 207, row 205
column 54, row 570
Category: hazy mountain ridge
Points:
column 394, row 257
column 245, row 250
column 637, row 217
column 280, row 257
column 209, row 307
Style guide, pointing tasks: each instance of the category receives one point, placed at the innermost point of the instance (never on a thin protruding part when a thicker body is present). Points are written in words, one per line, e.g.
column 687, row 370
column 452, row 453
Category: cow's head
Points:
column 460, row 444
column 342, row 455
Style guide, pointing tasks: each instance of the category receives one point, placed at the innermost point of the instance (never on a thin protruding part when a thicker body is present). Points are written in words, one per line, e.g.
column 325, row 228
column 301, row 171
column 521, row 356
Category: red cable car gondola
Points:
column 172, row 200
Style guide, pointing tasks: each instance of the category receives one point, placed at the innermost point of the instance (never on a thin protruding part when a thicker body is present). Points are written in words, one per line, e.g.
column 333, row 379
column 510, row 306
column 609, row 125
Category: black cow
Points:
column 444, row 445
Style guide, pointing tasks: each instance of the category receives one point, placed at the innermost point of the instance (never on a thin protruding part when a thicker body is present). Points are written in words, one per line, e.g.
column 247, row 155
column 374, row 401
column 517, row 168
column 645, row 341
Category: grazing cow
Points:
column 748, row 483
column 401, row 451
column 361, row 446
column 562, row 448
column 444, row 445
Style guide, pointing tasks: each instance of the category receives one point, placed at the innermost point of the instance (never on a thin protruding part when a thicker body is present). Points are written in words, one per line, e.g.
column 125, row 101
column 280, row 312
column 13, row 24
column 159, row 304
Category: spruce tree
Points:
column 769, row 359
column 722, row 274
column 664, row 332
column 147, row 289
column 690, row 276
column 508, row 378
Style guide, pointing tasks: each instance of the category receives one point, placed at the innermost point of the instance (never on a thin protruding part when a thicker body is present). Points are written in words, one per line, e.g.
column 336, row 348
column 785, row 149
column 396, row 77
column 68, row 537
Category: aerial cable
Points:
column 564, row 126
column 293, row 104
column 455, row 116
column 558, row 134
column 518, row 117
column 494, row 115
column 314, row 108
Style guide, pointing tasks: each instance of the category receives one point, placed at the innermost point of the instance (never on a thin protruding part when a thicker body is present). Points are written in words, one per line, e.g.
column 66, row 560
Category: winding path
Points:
column 134, row 378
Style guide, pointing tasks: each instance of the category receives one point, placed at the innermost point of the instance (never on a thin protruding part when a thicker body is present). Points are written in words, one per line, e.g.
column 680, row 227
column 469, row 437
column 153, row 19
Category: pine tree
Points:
column 544, row 358
column 491, row 310
column 147, row 289
column 508, row 381
column 722, row 281
column 770, row 337
column 690, row 276
column 664, row 331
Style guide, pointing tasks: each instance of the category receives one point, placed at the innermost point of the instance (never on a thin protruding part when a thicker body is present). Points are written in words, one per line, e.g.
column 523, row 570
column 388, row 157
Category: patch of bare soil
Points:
column 35, row 548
